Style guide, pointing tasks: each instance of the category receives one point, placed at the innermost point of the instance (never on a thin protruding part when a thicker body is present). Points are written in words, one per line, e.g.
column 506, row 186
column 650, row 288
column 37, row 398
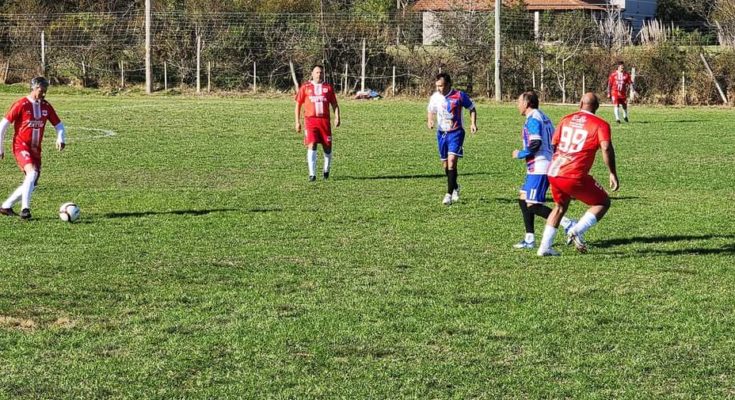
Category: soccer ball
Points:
column 69, row 212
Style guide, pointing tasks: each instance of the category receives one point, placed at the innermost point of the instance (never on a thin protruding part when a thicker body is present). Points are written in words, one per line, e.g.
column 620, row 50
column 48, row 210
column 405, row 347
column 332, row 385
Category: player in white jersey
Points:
column 537, row 151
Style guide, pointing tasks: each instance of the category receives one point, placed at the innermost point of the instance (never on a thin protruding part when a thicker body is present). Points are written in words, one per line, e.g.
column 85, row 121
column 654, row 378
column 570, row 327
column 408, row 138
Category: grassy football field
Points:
column 206, row 266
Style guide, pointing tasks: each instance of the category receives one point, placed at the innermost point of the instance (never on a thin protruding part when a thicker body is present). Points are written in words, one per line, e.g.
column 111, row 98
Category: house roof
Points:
column 489, row 5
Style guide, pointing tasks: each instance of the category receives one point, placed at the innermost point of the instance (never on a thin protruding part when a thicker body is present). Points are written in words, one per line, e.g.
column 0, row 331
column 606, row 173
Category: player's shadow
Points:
column 196, row 213
column 728, row 249
column 667, row 239
column 410, row 176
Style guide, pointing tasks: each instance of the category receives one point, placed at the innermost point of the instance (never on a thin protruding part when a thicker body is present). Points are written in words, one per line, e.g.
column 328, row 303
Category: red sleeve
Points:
column 603, row 132
column 14, row 112
column 300, row 95
column 52, row 116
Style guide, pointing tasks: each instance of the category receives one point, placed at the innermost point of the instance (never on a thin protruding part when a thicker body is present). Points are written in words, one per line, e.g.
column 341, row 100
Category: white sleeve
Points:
column 4, row 124
column 60, row 133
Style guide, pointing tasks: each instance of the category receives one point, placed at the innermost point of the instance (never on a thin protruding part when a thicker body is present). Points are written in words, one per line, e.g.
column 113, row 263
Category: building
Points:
column 635, row 12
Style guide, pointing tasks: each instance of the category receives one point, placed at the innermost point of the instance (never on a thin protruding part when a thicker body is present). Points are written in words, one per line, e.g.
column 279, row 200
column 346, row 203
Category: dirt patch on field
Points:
column 17, row 323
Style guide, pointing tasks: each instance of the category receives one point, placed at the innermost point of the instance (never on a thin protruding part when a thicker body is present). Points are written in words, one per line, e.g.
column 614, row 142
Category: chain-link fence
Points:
column 561, row 54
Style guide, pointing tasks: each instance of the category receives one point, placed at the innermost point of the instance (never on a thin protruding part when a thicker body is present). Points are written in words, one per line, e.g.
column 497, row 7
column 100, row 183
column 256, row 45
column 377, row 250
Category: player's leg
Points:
column 7, row 206
column 311, row 155
column 624, row 104
column 456, row 151
column 535, row 188
column 592, row 194
column 443, row 147
column 327, row 147
column 529, row 240
column 29, row 184
column 561, row 199
column 616, row 111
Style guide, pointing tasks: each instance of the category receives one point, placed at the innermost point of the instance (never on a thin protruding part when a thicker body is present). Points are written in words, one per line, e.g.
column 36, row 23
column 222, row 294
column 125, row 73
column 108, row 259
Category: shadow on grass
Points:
column 550, row 202
column 411, row 176
column 666, row 239
column 728, row 249
column 138, row 214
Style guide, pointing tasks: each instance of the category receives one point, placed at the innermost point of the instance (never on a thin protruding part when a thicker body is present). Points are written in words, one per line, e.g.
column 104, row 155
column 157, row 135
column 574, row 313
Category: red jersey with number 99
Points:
column 577, row 138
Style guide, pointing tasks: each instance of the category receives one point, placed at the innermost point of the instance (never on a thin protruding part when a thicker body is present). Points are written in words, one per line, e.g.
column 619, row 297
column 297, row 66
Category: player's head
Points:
column 621, row 66
column 527, row 101
column 590, row 102
column 443, row 83
column 317, row 73
column 39, row 85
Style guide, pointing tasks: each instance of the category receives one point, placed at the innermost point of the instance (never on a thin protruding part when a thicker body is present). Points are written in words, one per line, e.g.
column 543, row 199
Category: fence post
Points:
column 683, row 89
column 533, row 78
column 394, row 80
column 43, row 53
column 344, row 87
column 497, row 51
column 148, row 68
column 712, row 75
column 209, row 76
column 84, row 74
column 255, row 78
column 293, row 76
column 122, row 74
column 165, row 75
column 5, row 75
column 199, row 63
column 584, row 85
column 362, row 81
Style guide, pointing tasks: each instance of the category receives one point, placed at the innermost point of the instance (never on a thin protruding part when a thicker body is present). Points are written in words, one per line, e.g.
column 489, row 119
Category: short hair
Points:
column 39, row 81
column 531, row 98
column 318, row 66
column 621, row 63
column 445, row 76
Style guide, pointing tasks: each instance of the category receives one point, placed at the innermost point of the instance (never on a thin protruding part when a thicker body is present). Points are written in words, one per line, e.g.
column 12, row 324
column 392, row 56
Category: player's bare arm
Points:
column 297, row 114
column 430, row 118
column 4, row 124
column 336, row 116
column 608, row 156
column 473, row 120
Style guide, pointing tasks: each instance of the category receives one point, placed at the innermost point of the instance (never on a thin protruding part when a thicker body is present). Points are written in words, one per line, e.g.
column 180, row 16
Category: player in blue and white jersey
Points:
column 537, row 151
column 445, row 108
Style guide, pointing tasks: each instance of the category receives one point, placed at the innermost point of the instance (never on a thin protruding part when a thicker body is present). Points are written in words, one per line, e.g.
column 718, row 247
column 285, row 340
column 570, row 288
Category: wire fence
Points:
column 560, row 54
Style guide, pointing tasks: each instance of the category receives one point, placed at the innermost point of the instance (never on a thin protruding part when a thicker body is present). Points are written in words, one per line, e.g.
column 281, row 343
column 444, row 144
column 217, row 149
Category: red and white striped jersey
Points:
column 29, row 120
column 316, row 99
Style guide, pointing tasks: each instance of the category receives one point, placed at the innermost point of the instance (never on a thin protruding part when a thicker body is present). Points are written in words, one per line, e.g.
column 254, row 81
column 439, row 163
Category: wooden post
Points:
column 683, row 89
column 148, row 67
column 541, row 78
column 632, row 79
column 362, row 80
column 712, row 75
column 43, row 53
column 394, row 80
column 84, row 74
column 584, row 85
column 209, row 76
column 122, row 74
column 293, row 76
column 344, row 88
column 533, row 78
column 255, row 78
column 199, row 63
column 5, row 75
column 497, row 51
column 165, row 75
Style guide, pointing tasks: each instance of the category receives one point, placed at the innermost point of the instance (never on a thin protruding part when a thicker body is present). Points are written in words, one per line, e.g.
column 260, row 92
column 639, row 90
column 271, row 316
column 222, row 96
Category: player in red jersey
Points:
column 576, row 139
column 618, row 84
column 315, row 97
column 28, row 116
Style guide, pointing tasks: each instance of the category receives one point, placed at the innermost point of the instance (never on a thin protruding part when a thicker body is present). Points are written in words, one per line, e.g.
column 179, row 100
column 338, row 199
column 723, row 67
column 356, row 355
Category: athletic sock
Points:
column 527, row 216
column 311, row 161
column 625, row 113
column 327, row 161
column 587, row 221
column 617, row 113
column 456, row 177
column 29, row 183
column 547, row 240
column 451, row 180
column 14, row 197
column 530, row 237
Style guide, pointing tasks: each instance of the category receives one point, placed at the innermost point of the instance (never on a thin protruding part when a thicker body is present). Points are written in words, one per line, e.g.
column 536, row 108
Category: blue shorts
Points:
column 450, row 143
column 534, row 188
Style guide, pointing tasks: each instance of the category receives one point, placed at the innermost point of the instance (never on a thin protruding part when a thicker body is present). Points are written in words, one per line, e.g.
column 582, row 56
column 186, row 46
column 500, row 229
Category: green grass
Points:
column 206, row 266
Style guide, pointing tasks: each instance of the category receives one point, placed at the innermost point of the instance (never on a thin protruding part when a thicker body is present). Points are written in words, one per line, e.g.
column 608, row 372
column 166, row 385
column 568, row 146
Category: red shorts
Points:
column 584, row 189
column 25, row 155
column 318, row 130
column 620, row 100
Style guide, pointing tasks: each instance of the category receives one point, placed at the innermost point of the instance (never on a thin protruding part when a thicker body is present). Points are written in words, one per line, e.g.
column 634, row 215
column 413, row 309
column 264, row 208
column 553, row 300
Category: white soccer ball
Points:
column 69, row 212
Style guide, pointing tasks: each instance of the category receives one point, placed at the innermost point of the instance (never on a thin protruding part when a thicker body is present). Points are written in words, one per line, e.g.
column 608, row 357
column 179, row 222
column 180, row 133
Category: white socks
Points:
column 311, row 161
column 625, row 112
column 530, row 238
column 617, row 113
column 29, row 183
column 548, row 239
column 13, row 197
column 587, row 221
column 565, row 222
column 327, row 161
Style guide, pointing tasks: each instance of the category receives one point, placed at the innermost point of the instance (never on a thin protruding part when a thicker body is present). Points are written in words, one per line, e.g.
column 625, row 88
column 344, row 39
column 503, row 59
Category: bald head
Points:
column 590, row 102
